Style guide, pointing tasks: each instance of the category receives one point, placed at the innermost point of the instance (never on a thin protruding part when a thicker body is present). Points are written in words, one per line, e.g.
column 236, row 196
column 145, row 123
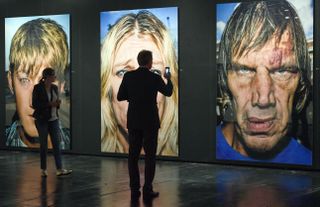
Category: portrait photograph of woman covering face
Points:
column 123, row 35
column 33, row 44
column 265, row 67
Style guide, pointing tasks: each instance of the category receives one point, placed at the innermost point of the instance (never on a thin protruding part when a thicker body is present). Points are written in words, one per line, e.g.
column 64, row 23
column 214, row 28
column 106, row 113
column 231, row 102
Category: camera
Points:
column 167, row 71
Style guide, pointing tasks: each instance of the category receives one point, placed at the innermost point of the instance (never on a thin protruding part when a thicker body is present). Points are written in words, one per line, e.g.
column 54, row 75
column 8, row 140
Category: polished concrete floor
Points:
column 103, row 181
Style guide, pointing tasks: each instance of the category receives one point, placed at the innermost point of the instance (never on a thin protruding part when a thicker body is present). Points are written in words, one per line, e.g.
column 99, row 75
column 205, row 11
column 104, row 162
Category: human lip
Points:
column 260, row 125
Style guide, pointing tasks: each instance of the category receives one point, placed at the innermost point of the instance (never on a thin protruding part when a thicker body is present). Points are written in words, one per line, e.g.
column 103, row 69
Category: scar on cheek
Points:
column 275, row 57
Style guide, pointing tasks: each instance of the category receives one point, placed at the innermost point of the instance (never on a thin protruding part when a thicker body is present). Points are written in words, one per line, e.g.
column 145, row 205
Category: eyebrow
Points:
column 21, row 74
column 31, row 71
column 237, row 66
column 117, row 64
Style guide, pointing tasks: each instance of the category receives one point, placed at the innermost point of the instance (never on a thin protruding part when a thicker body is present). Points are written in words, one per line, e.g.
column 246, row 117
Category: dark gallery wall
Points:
column 316, row 99
column 197, row 77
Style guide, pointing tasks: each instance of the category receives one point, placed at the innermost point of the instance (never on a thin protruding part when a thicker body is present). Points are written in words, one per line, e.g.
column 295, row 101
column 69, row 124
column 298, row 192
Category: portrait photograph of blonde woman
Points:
column 123, row 34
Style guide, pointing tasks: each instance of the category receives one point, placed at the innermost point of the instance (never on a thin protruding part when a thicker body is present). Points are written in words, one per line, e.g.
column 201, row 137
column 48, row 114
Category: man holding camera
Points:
column 140, row 88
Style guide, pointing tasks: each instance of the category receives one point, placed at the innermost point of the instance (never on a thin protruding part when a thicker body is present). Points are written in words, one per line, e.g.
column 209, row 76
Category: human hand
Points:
column 58, row 102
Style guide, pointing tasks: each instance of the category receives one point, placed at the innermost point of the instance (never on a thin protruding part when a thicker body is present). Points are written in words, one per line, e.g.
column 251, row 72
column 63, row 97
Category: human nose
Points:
column 263, row 90
column 30, row 92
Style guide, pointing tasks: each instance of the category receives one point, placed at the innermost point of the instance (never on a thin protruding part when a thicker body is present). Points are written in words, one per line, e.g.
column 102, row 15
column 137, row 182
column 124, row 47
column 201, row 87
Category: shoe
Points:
column 135, row 195
column 44, row 173
column 148, row 195
column 62, row 172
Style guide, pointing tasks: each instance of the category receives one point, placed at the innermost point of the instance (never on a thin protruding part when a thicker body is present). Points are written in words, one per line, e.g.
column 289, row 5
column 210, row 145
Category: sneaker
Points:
column 44, row 173
column 61, row 172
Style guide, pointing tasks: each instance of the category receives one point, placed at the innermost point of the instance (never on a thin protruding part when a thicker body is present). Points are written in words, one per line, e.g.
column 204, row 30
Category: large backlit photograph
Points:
column 123, row 34
column 265, row 80
column 33, row 44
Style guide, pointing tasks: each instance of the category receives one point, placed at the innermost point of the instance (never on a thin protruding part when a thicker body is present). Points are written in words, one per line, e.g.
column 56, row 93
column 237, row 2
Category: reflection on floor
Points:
column 102, row 181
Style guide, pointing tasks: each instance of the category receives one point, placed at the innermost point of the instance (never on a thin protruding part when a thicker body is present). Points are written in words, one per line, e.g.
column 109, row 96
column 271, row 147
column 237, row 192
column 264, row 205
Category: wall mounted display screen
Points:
column 33, row 44
column 123, row 35
column 265, row 67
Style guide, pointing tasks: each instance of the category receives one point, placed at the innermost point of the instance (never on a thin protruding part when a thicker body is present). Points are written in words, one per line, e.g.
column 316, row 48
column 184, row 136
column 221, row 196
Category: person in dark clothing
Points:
column 140, row 88
column 46, row 102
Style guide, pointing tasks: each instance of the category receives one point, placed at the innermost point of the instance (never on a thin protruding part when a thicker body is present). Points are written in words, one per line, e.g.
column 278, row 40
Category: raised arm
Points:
column 165, row 89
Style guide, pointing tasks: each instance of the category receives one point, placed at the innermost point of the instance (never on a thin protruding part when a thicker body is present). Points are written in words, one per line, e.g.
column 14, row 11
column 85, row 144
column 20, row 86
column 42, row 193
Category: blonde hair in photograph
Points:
column 144, row 23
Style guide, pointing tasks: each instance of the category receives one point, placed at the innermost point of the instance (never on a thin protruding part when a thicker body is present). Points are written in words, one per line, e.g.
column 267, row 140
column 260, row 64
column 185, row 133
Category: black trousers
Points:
column 148, row 138
column 44, row 128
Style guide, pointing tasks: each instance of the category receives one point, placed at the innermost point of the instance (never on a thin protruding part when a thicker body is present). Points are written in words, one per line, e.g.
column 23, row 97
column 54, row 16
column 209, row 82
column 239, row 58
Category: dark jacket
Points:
column 40, row 101
column 140, row 88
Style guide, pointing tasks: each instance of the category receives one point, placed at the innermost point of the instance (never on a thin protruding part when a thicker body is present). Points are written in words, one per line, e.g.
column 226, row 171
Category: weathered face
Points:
column 126, row 60
column 263, row 83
